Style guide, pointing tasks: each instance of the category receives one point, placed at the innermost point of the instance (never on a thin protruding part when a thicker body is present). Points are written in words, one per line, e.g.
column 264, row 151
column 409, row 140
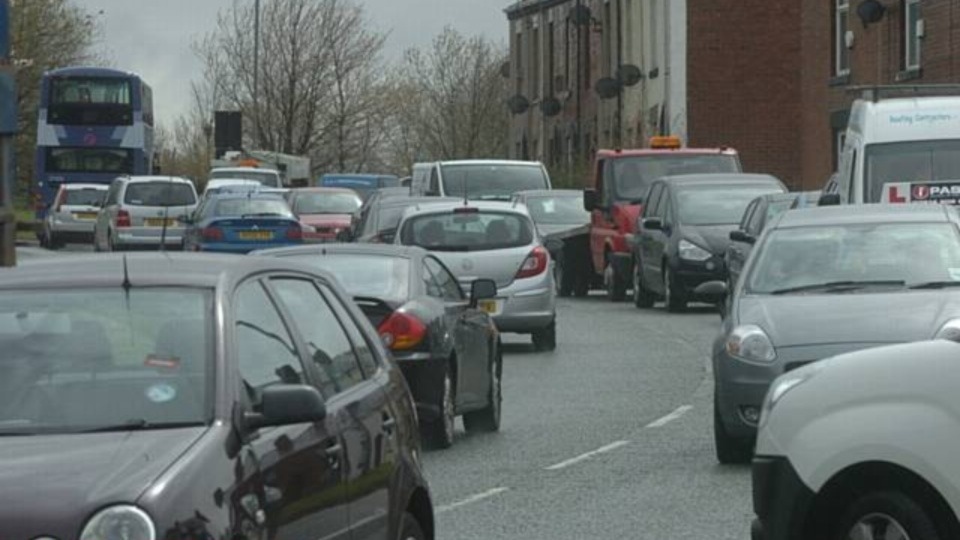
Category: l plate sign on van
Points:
column 922, row 192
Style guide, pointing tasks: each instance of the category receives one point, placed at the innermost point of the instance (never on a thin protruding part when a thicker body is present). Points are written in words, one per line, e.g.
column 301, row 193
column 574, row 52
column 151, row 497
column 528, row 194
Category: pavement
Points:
column 610, row 436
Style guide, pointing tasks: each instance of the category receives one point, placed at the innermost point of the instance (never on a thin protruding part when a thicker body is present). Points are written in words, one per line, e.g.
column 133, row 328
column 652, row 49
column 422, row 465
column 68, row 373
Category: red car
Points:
column 326, row 212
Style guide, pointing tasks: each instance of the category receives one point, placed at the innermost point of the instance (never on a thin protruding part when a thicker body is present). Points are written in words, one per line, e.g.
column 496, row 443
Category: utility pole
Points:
column 256, row 73
column 8, row 130
column 578, row 142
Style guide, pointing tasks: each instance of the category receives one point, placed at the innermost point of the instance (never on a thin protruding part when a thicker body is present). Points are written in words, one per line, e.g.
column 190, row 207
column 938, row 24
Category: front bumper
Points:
column 424, row 376
column 780, row 500
column 691, row 274
column 741, row 386
column 525, row 309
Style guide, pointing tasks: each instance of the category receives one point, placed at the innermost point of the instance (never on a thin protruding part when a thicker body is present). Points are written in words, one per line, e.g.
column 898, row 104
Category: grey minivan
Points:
column 144, row 212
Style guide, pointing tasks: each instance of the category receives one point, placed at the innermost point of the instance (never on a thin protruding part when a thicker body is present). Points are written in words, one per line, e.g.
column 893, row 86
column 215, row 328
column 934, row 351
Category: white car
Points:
column 217, row 184
column 266, row 177
column 863, row 446
column 73, row 214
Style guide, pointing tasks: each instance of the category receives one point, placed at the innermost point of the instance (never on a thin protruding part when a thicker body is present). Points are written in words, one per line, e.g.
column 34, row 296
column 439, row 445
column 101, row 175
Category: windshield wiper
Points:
column 139, row 424
column 929, row 285
column 841, row 286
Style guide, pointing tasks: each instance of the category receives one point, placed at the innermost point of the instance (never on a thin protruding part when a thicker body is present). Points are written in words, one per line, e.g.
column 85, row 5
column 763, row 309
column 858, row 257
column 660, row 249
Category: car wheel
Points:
column 546, row 339
column 616, row 289
column 674, row 298
column 410, row 528
column 439, row 433
column 890, row 515
column 487, row 419
column 642, row 298
column 730, row 450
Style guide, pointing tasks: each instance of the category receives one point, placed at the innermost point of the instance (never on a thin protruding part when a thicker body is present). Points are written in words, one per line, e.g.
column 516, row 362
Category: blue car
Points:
column 363, row 184
column 242, row 222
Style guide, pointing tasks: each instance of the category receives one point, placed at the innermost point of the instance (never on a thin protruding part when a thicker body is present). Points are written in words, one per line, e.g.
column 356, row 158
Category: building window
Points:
column 551, row 60
column 518, row 62
column 841, row 54
column 911, row 34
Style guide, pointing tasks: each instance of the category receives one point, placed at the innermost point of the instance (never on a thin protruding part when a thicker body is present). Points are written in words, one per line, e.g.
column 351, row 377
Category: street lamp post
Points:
column 256, row 72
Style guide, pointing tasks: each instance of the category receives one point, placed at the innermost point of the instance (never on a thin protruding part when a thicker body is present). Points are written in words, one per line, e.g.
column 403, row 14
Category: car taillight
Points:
column 123, row 218
column 535, row 263
column 212, row 234
column 295, row 232
column 402, row 331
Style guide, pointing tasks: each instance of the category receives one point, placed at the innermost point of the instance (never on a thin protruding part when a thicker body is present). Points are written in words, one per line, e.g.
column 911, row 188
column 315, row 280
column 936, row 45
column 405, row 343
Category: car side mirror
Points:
column 286, row 404
column 590, row 199
column 482, row 289
column 652, row 224
column 712, row 291
column 829, row 199
column 742, row 236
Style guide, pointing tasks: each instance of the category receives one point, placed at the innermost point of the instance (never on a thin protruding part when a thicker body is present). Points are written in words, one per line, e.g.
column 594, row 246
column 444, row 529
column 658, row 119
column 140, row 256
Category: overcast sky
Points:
column 153, row 37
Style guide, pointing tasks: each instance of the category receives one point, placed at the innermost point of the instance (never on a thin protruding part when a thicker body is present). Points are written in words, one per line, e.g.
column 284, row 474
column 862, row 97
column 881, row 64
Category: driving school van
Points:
column 900, row 150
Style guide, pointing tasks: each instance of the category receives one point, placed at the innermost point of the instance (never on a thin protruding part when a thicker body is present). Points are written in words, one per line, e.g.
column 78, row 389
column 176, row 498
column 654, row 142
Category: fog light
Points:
column 750, row 414
column 711, row 266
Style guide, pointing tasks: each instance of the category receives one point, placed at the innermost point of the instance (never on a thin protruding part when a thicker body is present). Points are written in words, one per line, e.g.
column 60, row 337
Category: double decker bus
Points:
column 95, row 124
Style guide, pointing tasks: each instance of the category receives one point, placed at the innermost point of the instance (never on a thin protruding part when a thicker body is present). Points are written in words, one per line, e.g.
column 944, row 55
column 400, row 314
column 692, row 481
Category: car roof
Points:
column 778, row 197
column 387, row 250
column 718, row 179
column 217, row 182
column 639, row 152
column 252, row 194
column 550, row 192
column 450, row 205
column 145, row 179
column 70, row 187
column 145, row 269
column 358, row 175
column 244, row 169
column 490, row 162
column 330, row 190
column 413, row 201
column 866, row 213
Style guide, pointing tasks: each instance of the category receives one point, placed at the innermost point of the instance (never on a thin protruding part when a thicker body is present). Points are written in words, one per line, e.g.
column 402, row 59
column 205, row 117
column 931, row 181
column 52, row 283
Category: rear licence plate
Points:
column 491, row 307
column 256, row 235
column 85, row 215
column 158, row 222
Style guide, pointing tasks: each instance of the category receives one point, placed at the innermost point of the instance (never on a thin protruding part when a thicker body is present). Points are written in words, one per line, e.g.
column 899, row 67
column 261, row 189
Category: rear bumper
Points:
column 69, row 228
column 527, row 310
column 247, row 247
column 780, row 500
column 424, row 376
column 689, row 274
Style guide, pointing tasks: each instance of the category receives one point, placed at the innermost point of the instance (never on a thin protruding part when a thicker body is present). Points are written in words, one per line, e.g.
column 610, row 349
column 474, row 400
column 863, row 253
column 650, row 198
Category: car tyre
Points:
column 410, row 528
column 674, row 298
column 439, row 433
column 730, row 450
column 616, row 288
column 487, row 420
column 642, row 297
column 546, row 339
column 883, row 512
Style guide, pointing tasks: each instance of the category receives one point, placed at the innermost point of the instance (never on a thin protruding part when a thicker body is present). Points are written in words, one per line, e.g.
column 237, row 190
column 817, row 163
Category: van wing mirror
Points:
column 589, row 199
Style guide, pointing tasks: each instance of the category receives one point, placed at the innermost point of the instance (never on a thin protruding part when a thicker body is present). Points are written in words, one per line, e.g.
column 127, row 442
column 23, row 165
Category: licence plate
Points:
column 85, row 215
column 158, row 222
column 256, row 235
column 491, row 307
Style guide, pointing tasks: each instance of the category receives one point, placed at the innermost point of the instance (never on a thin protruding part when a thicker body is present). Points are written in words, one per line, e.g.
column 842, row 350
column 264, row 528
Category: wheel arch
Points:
column 421, row 507
column 857, row 480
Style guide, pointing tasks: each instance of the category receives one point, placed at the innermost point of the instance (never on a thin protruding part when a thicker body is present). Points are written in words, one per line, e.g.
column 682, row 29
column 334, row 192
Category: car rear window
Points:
column 159, row 193
column 252, row 207
column 375, row 276
column 265, row 178
column 465, row 230
column 326, row 203
column 84, row 196
column 95, row 359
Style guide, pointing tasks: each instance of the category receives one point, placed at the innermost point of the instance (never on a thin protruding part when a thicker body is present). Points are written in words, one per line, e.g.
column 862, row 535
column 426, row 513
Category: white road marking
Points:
column 670, row 417
column 471, row 499
column 582, row 457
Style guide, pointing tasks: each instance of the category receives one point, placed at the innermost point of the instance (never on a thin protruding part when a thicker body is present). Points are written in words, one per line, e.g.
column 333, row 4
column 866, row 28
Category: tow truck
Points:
column 615, row 198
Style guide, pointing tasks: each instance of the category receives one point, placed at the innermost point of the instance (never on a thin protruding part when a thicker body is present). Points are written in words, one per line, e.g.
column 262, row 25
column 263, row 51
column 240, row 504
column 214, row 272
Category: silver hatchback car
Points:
column 144, row 212
column 73, row 214
column 498, row 241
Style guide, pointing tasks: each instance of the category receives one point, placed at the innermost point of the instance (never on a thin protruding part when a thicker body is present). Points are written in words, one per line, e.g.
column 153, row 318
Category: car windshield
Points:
column 910, row 162
column 159, row 193
column 720, row 205
column 249, row 206
column 265, row 178
column 468, row 231
column 98, row 359
column 326, row 203
column 633, row 176
column 906, row 253
column 84, row 197
column 777, row 207
column 494, row 181
column 559, row 210
column 374, row 276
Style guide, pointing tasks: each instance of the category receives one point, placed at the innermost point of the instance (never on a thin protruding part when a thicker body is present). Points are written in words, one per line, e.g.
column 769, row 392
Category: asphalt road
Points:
column 610, row 436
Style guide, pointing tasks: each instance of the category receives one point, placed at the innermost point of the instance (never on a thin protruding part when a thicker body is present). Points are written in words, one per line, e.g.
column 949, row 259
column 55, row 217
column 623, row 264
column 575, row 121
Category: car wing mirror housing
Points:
column 712, row 291
column 482, row 289
column 287, row 404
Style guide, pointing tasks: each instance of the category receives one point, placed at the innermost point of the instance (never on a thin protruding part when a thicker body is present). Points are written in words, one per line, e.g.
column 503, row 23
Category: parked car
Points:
column 378, row 221
column 564, row 226
column 265, row 177
column 362, row 184
column 241, row 223
column 478, row 179
column 825, row 281
column 217, row 184
column 144, row 212
column 448, row 349
column 201, row 396
column 862, row 446
column 684, row 232
column 760, row 211
column 326, row 211
column 498, row 241
column 73, row 214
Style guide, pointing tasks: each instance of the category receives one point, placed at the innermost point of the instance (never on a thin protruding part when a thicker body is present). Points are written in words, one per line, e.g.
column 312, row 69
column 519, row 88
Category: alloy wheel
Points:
column 878, row 527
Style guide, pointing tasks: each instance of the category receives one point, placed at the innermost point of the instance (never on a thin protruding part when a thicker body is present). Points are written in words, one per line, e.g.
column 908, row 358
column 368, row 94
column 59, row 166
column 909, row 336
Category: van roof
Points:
column 906, row 119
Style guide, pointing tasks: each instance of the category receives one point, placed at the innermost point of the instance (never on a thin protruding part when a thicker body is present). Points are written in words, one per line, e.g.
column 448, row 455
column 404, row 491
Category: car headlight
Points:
column 692, row 252
column 121, row 521
column 751, row 343
column 949, row 331
column 782, row 386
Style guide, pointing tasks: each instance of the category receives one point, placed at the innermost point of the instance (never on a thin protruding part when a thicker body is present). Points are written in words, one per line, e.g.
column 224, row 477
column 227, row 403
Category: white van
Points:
column 900, row 150
column 266, row 177
column 478, row 179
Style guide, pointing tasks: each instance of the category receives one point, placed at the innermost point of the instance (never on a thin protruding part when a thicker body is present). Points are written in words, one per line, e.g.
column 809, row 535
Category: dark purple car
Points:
column 154, row 396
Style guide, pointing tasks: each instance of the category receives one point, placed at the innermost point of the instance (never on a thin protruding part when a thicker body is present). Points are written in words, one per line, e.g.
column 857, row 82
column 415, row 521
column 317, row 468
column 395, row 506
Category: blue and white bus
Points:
column 95, row 124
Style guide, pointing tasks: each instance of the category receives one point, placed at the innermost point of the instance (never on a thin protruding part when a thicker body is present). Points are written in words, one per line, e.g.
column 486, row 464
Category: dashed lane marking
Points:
column 471, row 499
column 679, row 412
column 583, row 457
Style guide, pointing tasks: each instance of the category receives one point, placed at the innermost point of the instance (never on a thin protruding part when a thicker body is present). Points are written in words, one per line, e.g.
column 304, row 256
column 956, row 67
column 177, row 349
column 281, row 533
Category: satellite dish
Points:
column 608, row 87
column 870, row 11
column 581, row 15
column 550, row 106
column 518, row 104
column 505, row 70
column 629, row 75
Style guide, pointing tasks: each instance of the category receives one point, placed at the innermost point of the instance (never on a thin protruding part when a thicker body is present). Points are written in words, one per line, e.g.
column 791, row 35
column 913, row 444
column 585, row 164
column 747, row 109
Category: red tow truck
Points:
column 621, row 179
